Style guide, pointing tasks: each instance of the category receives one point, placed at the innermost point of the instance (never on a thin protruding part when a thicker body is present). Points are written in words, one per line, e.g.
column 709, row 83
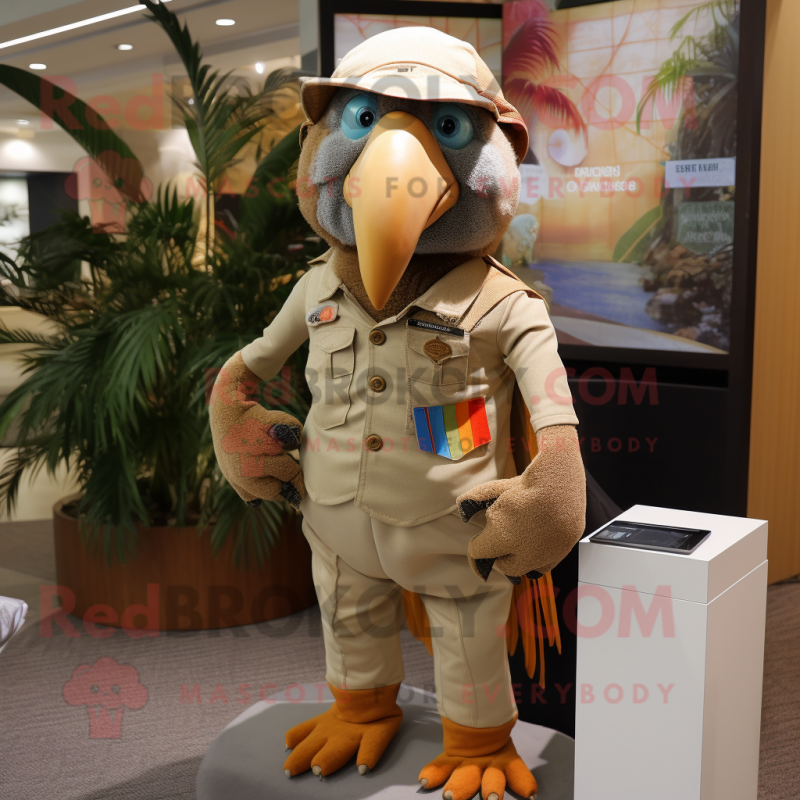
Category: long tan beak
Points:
column 399, row 185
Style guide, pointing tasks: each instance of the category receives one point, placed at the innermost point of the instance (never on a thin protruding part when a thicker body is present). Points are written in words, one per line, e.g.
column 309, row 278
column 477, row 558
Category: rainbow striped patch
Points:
column 452, row 431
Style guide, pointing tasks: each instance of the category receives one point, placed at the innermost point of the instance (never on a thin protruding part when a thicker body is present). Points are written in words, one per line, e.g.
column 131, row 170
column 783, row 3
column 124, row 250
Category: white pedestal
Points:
column 670, row 664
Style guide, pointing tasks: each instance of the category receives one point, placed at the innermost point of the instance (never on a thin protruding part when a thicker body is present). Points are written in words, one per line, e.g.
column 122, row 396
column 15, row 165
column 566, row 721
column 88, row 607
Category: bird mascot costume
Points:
column 419, row 343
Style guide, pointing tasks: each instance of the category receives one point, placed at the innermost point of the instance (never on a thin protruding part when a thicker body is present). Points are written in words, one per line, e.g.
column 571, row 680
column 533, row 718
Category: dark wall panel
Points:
column 668, row 450
column 47, row 196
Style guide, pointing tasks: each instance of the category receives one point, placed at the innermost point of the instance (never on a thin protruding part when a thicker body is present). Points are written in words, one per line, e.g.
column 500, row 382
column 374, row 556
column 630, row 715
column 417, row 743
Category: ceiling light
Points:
column 38, row 66
column 259, row 68
column 18, row 149
column 23, row 122
column 72, row 25
column 124, row 47
column 225, row 23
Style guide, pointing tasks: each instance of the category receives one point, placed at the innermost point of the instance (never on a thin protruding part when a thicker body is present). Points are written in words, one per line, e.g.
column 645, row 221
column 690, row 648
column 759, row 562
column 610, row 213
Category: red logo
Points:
column 106, row 688
column 108, row 197
column 253, row 444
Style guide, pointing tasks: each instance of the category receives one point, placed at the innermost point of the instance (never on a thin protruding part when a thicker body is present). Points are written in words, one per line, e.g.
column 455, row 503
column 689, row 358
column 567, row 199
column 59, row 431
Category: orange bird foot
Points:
column 326, row 743
column 490, row 774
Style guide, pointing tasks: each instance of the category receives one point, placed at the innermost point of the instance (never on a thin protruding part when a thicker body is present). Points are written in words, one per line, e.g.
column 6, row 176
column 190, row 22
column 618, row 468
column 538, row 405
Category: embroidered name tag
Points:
column 433, row 326
column 452, row 431
column 318, row 315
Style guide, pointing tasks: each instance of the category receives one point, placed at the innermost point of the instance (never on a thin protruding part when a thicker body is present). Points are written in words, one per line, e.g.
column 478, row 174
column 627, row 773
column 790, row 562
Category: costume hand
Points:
column 535, row 519
column 250, row 441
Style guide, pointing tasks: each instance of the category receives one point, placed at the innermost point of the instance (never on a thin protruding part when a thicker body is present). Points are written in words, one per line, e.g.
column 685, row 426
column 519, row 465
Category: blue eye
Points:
column 452, row 127
column 359, row 115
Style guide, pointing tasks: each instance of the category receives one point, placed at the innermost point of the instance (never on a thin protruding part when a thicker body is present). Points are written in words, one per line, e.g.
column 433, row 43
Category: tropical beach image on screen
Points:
column 626, row 221
column 484, row 34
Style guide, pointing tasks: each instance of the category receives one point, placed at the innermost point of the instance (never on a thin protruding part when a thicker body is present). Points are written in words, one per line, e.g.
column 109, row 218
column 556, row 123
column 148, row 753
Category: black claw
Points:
column 254, row 503
column 484, row 566
column 533, row 574
column 515, row 581
column 287, row 435
column 469, row 508
column 290, row 494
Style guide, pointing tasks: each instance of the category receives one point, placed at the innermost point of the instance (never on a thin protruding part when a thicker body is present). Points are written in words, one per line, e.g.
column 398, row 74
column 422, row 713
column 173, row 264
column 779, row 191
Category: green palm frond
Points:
column 50, row 260
column 712, row 57
column 14, row 467
column 24, row 337
column 274, row 82
column 139, row 349
column 111, row 506
column 277, row 84
column 83, row 124
column 254, row 533
column 219, row 123
column 219, row 127
column 117, row 392
column 270, row 206
column 279, row 160
column 669, row 78
column 166, row 221
column 722, row 13
column 7, row 263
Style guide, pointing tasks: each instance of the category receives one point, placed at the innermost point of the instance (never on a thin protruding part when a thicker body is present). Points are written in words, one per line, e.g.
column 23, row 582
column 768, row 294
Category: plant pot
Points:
column 174, row 583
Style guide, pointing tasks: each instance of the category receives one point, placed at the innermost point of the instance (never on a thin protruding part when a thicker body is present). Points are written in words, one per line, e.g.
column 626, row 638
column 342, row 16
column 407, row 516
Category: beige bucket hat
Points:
column 419, row 64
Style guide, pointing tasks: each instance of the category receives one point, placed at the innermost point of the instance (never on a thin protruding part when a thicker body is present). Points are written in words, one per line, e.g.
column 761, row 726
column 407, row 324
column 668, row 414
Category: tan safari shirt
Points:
column 359, row 441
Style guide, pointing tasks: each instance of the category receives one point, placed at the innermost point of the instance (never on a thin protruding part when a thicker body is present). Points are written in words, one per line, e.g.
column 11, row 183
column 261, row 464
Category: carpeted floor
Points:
column 198, row 682
column 779, row 774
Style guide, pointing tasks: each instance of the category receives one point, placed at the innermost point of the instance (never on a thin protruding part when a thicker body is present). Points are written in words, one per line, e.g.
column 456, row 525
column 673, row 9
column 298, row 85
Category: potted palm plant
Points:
column 118, row 391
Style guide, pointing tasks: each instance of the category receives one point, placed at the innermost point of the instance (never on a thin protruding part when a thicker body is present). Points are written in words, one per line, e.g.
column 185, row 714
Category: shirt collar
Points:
column 452, row 295
column 329, row 282
column 449, row 297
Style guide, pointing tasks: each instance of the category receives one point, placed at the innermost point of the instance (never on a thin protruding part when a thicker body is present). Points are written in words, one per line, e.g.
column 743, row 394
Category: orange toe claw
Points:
column 335, row 753
column 327, row 742
column 438, row 771
column 300, row 758
column 375, row 740
column 489, row 773
column 520, row 779
column 493, row 784
column 296, row 735
column 464, row 782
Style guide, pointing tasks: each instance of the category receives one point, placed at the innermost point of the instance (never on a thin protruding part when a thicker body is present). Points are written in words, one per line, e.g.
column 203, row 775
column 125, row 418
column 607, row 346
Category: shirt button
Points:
column 377, row 336
column 374, row 443
column 377, row 384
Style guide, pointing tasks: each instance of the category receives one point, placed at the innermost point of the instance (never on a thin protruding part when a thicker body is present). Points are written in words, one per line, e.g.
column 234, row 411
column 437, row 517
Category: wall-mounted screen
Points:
column 485, row 35
column 626, row 216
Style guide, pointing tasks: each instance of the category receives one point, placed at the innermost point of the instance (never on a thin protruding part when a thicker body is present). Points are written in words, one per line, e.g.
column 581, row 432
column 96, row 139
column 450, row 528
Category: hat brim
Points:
column 317, row 93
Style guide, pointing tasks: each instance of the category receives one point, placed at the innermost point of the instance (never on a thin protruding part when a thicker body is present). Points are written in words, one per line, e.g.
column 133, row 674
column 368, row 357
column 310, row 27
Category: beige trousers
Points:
column 360, row 567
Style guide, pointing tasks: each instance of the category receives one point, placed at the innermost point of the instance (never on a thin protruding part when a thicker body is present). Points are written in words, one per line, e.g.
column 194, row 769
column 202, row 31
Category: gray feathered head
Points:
column 392, row 176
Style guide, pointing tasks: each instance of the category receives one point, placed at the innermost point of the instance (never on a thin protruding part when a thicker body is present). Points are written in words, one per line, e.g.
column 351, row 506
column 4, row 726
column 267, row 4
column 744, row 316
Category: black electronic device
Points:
column 663, row 538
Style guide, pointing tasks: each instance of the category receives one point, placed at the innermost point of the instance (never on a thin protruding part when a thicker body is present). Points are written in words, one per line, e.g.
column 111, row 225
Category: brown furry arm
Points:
column 535, row 519
column 249, row 440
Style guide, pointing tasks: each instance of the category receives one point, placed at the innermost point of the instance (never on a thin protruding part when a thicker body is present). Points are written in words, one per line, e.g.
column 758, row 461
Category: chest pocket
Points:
column 329, row 372
column 437, row 359
column 437, row 369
